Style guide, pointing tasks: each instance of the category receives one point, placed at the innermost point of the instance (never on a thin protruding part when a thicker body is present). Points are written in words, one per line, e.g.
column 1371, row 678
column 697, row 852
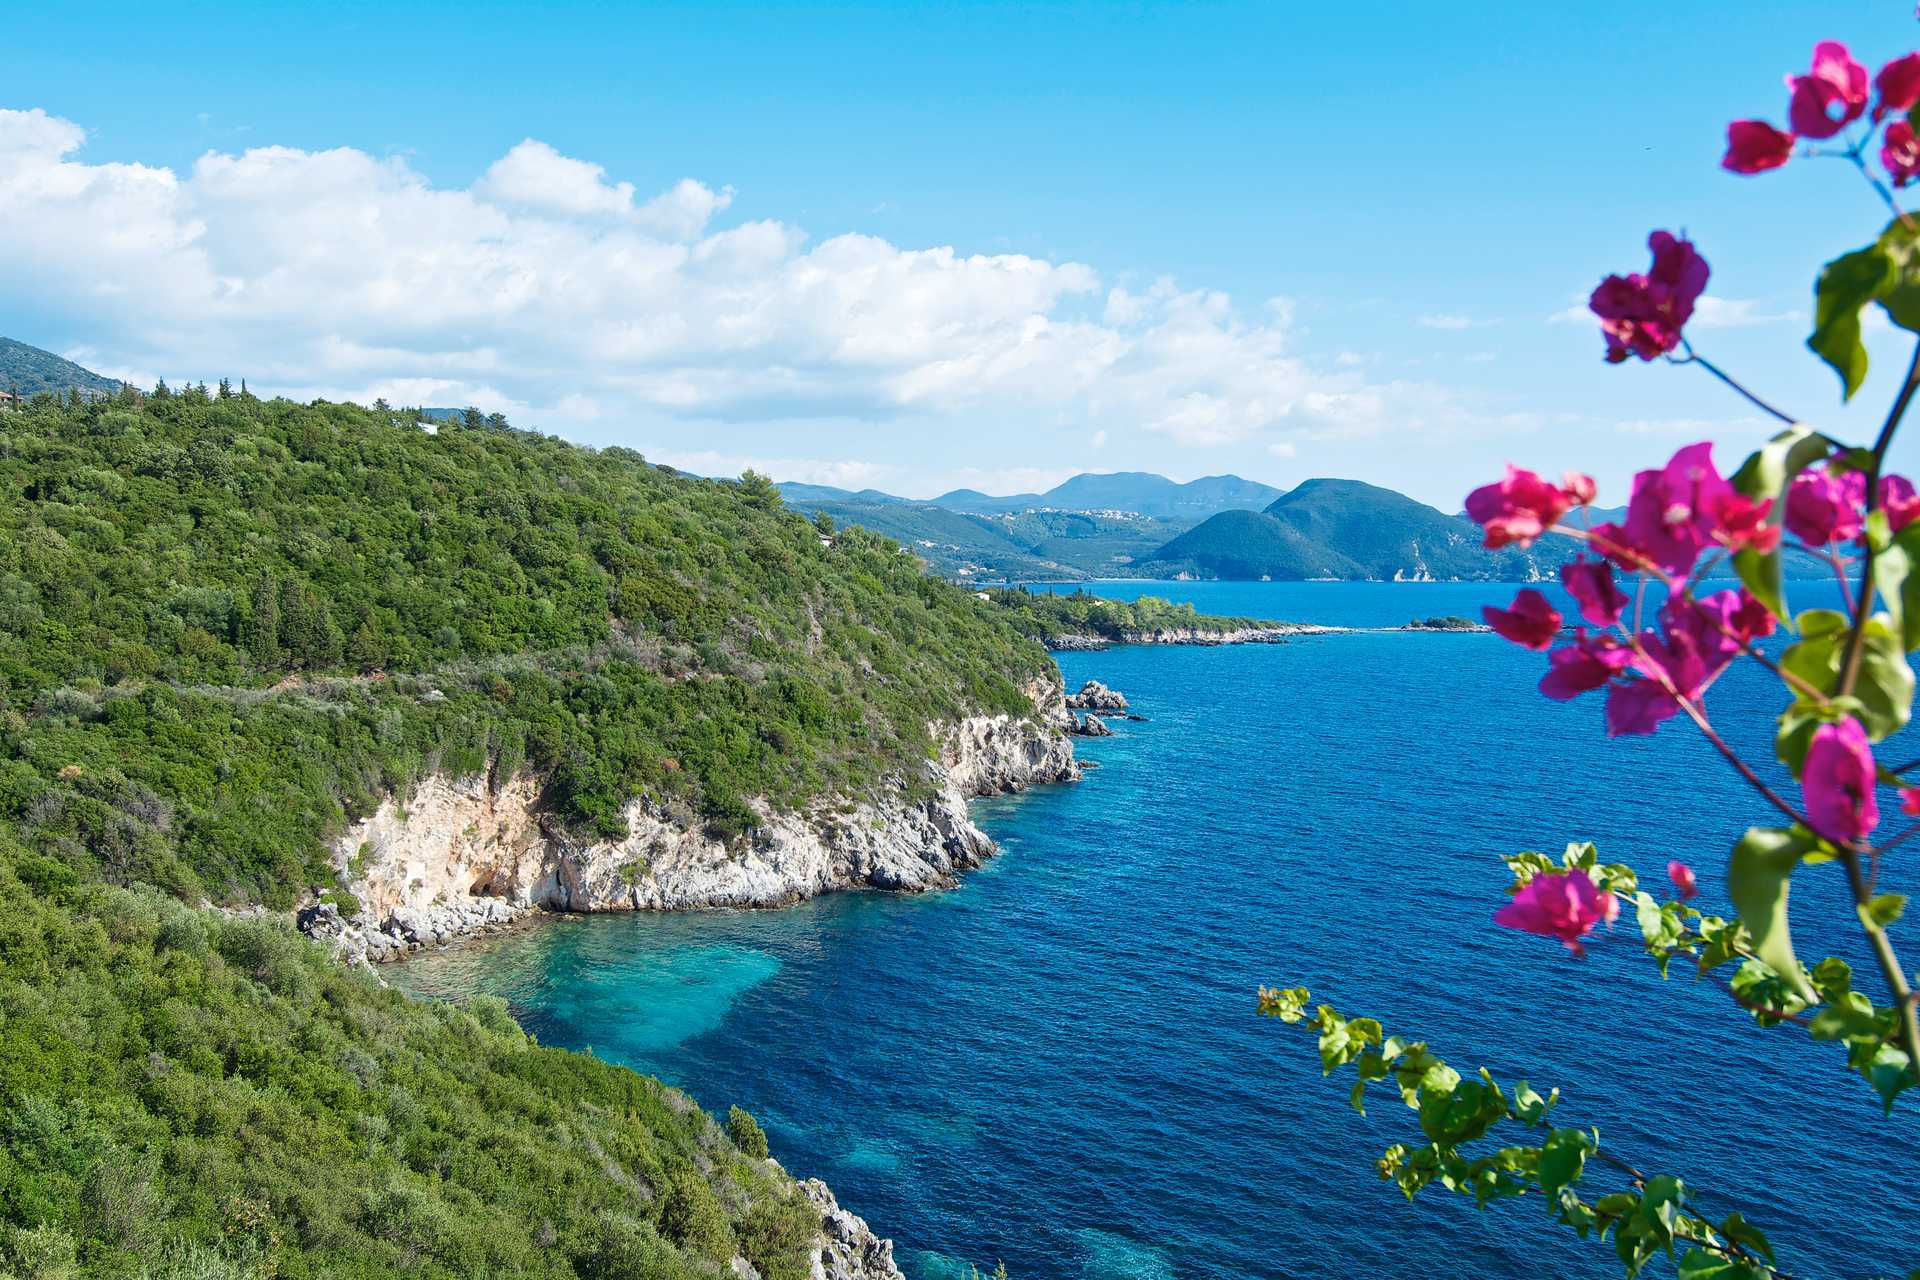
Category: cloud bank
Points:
column 564, row 297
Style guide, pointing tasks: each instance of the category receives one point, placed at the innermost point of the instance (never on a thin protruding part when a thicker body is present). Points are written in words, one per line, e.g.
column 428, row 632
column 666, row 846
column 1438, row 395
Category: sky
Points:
column 920, row 247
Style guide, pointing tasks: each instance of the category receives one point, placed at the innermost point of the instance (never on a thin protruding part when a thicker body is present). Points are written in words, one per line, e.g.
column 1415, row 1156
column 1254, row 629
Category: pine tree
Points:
column 262, row 630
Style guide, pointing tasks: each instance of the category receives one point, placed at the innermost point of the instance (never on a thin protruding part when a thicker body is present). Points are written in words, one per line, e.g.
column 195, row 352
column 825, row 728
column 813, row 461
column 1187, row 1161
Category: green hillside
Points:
column 1341, row 529
column 1049, row 545
column 28, row 371
column 186, row 1097
column 1248, row 544
column 228, row 626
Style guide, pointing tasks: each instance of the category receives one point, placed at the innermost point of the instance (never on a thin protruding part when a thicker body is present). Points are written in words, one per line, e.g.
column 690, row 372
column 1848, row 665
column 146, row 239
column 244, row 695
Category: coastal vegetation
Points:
column 1052, row 618
column 229, row 626
column 186, row 1096
column 1846, row 683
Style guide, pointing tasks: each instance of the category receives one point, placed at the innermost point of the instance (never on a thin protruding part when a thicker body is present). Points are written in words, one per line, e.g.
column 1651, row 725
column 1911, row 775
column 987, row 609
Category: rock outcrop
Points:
column 848, row 1248
column 461, row 856
column 1091, row 726
column 1094, row 696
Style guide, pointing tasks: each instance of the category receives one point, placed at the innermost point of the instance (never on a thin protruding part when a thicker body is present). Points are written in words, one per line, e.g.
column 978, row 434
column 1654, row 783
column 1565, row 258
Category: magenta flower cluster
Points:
column 1675, row 515
column 1830, row 96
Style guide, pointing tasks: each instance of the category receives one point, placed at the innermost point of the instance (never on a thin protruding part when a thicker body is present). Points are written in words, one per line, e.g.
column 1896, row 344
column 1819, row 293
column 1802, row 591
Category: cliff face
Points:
column 459, row 857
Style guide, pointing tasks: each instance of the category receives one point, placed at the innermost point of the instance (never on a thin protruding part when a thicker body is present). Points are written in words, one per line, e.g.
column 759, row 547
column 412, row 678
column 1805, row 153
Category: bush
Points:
column 691, row 1216
column 746, row 1133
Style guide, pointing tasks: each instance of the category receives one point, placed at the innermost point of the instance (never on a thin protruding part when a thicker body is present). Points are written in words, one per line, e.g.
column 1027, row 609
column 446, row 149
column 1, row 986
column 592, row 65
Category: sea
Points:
column 1058, row 1064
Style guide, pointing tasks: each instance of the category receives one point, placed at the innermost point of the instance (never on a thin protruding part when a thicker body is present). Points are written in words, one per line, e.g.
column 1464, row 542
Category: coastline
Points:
column 1275, row 633
column 462, row 858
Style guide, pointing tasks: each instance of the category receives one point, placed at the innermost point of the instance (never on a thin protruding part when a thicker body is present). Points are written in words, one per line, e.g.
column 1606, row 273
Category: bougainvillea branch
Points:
column 1845, row 672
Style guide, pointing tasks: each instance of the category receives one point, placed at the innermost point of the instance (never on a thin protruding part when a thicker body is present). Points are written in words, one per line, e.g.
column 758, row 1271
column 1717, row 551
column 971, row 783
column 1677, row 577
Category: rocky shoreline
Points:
column 1278, row 634
column 461, row 858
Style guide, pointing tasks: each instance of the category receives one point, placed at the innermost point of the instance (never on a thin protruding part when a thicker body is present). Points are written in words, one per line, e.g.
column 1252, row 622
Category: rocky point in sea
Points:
column 1094, row 696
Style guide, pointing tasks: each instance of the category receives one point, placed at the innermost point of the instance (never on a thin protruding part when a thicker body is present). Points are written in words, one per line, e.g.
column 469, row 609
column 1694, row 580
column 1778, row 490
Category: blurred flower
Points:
column 1564, row 905
column 1642, row 315
column 1825, row 506
column 1591, row 583
column 1682, row 876
column 1754, row 146
column 1837, row 782
column 1897, row 86
column 1517, row 508
column 1900, row 153
column 1831, row 96
column 1531, row 622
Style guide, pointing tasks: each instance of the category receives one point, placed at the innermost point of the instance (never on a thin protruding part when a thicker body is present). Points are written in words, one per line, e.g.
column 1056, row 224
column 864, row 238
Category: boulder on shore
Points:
column 1094, row 696
column 1092, row 726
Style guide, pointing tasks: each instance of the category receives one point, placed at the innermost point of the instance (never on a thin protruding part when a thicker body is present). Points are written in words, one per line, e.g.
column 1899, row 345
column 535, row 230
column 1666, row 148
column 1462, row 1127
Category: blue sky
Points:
column 1423, row 186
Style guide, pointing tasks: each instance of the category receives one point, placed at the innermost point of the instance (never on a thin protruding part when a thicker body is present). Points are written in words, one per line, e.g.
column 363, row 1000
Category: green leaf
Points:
column 1883, row 909
column 1847, row 284
column 1563, row 1158
column 1698, row 1264
column 1764, row 477
column 1757, row 877
column 1801, row 718
column 1899, row 586
column 1736, row 1228
column 1885, row 684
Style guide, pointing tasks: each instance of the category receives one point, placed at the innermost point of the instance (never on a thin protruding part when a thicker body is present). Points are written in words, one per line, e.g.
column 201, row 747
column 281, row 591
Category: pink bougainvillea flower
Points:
column 1695, row 642
column 1636, row 708
column 1837, row 782
column 1900, row 153
column 1754, row 146
column 1591, row 583
column 1518, row 508
column 1642, row 315
column 1896, row 87
column 1583, row 666
column 1751, row 620
column 1743, row 524
column 1899, row 501
column 1910, row 801
column 1825, row 506
column 1531, row 622
column 1682, row 876
column 1580, row 489
column 1560, row 904
column 1674, row 514
column 1831, row 96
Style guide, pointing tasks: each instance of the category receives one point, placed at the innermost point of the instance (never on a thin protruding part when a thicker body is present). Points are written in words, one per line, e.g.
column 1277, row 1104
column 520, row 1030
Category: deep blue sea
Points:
column 1058, row 1064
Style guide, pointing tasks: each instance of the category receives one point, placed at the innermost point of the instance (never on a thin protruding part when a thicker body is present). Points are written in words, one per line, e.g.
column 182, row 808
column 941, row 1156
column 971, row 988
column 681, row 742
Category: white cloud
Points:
column 901, row 480
column 1738, row 313
column 556, row 293
column 1451, row 321
column 1098, row 439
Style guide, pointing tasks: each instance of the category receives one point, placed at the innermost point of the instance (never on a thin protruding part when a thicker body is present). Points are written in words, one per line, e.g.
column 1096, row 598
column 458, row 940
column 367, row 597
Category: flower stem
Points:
column 1856, row 639
column 1718, row 372
column 1857, row 878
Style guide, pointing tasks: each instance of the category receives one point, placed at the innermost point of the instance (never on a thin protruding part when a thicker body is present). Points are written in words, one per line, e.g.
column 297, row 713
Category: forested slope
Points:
column 229, row 625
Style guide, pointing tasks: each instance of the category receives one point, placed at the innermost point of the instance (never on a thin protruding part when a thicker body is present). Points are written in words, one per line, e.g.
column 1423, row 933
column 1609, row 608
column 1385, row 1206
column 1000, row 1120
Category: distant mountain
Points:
column 810, row 495
column 29, row 371
column 1140, row 492
column 1342, row 529
column 1029, row 545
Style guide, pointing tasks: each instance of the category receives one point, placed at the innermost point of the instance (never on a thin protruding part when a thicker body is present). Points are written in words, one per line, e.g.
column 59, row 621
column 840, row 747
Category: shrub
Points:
column 746, row 1132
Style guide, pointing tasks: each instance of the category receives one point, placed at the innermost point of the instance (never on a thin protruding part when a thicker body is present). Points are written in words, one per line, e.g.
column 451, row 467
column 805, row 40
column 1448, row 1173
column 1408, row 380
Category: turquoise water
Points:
column 1058, row 1063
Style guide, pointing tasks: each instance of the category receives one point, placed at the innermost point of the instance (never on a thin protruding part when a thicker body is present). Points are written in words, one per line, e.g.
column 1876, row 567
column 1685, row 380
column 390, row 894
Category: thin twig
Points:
column 1693, row 358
